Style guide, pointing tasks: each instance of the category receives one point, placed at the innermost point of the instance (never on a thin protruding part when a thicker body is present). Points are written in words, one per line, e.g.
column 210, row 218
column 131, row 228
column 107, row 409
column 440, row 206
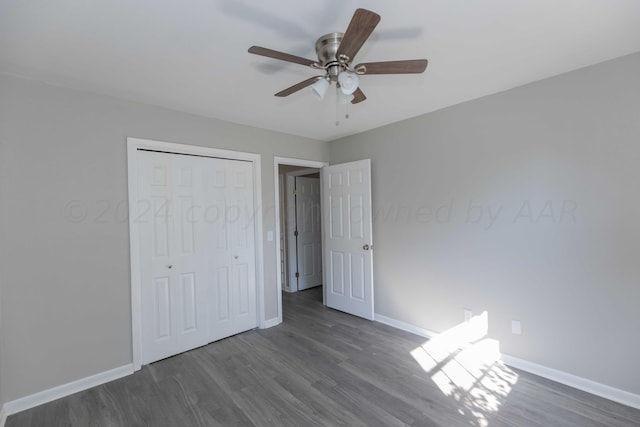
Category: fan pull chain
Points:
column 342, row 99
column 337, row 105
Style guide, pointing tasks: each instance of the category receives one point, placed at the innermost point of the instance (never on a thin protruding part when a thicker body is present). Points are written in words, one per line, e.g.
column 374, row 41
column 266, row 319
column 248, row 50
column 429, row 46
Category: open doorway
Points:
column 346, row 237
column 298, row 231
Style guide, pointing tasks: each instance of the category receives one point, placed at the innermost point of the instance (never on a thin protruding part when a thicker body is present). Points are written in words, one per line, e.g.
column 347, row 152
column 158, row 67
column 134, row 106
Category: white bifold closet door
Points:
column 197, row 251
column 230, row 237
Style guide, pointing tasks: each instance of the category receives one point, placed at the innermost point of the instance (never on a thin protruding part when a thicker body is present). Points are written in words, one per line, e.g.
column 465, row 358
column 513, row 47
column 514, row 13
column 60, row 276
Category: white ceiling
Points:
column 192, row 55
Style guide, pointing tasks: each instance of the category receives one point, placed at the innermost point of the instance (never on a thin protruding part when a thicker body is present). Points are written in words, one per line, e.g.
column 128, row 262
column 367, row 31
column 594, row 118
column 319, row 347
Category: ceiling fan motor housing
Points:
column 327, row 48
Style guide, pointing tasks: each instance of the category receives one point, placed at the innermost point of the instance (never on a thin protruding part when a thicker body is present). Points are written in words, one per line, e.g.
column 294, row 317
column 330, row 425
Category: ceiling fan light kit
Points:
column 335, row 53
column 348, row 82
column 319, row 88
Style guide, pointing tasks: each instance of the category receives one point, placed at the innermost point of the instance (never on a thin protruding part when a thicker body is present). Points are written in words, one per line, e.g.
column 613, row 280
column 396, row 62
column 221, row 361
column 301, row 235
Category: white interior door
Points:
column 348, row 260
column 173, row 267
column 197, row 251
column 290, row 223
column 309, row 239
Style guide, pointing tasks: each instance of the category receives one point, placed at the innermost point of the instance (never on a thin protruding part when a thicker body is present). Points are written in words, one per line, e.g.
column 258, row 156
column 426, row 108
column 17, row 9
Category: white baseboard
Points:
column 602, row 390
column 270, row 323
column 63, row 390
column 404, row 326
column 598, row 389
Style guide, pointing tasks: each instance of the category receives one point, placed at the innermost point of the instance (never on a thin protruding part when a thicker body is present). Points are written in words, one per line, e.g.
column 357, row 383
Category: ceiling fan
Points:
column 335, row 54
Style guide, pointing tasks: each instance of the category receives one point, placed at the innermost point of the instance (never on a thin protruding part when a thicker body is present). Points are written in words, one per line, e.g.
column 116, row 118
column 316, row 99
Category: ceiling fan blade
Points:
column 358, row 31
column 412, row 66
column 358, row 96
column 288, row 91
column 269, row 53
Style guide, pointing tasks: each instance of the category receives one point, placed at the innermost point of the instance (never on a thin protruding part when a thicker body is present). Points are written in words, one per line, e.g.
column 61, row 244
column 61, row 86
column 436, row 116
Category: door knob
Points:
column 365, row 247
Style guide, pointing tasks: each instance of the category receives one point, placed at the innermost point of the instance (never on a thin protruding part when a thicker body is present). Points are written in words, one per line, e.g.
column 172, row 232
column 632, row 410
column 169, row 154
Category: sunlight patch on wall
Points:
column 466, row 366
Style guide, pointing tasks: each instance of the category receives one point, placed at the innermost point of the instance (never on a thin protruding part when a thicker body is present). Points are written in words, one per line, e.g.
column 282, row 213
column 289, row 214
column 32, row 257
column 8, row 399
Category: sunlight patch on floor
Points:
column 466, row 366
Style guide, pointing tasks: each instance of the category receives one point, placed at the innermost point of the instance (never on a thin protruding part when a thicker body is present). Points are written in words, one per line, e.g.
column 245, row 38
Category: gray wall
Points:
column 3, row 236
column 1, row 329
column 65, row 279
column 566, row 144
column 571, row 279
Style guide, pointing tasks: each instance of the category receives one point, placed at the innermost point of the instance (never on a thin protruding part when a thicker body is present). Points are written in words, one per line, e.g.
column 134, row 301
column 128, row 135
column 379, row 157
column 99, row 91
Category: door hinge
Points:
column 295, row 233
column 297, row 274
column 295, row 192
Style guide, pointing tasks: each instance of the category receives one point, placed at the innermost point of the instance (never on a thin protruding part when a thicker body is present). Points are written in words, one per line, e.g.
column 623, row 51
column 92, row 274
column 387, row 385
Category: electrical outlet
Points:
column 468, row 314
column 516, row 327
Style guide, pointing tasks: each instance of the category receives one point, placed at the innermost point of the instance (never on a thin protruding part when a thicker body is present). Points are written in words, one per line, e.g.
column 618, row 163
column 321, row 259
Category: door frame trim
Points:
column 277, row 161
column 135, row 144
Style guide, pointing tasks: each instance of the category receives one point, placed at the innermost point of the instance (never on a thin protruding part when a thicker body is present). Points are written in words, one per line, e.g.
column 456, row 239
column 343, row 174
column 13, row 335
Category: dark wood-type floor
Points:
column 324, row 368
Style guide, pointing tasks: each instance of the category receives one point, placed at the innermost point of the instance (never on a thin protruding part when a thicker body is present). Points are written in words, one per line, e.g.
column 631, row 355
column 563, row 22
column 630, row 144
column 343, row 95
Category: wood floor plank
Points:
column 325, row 368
